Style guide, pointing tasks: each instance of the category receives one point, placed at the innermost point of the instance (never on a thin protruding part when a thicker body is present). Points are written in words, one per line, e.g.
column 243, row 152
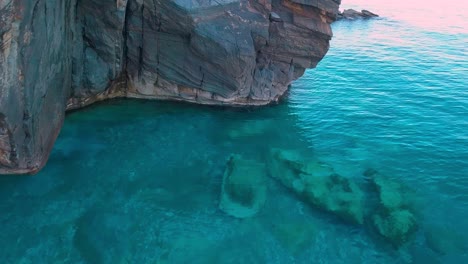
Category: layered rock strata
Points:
column 65, row 54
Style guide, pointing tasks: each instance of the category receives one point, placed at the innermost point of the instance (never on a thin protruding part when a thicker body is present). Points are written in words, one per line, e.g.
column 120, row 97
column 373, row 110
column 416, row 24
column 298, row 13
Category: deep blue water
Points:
column 139, row 182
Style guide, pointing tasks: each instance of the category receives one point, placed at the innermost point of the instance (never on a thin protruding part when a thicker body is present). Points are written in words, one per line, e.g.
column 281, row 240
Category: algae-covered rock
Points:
column 392, row 194
column 394, row 219
column 397, row 226
column 318, row 185
column 287, row 165
column 244, row 188
column 335, row 194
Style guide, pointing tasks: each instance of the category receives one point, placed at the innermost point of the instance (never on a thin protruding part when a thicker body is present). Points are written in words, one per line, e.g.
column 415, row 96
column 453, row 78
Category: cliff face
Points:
column 64, row 54
column 35, row 79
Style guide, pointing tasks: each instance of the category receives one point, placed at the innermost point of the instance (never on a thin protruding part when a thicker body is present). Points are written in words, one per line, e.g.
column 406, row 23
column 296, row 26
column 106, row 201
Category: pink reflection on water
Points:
column 444, row 16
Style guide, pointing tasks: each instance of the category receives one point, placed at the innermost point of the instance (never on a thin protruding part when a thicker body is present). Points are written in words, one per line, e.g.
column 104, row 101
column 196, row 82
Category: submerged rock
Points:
column 391, row 193
column 243, row 192
column 58, row 55
column 394, row 218
column 395, row 225
column 318, row 185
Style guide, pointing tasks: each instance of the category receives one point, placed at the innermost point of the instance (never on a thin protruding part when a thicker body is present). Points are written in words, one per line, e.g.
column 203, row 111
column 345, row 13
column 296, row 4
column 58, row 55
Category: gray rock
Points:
column 65, row 54
column 366, row 13
column 35, row 79
column 352, row 14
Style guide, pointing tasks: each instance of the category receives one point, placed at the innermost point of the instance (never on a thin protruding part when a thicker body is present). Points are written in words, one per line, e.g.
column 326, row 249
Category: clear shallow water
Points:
column 140, row 182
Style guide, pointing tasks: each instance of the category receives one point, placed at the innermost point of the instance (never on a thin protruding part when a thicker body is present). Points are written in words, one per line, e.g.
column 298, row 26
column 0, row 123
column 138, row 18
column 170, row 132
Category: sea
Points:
column 132, row 181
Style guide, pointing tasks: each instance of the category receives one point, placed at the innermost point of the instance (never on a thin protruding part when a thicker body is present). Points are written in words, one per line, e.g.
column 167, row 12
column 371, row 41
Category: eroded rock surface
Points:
column 35, row 79
column 65, row 54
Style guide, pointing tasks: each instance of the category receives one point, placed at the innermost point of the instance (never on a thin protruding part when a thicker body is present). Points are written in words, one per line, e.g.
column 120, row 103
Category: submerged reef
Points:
column 382, row 205
column 58, row 55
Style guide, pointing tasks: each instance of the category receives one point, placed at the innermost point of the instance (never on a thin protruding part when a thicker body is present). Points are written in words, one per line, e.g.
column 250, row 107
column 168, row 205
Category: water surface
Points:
column 139, row 182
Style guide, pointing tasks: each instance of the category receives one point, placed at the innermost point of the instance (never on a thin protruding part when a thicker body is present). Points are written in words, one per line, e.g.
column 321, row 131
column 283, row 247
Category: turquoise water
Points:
column 140, row 182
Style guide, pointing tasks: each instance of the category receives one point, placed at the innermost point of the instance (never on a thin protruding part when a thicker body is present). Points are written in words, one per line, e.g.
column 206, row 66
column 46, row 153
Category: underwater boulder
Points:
column 394, row 217
column 318, row 185
column 392, row 194
column 243, row 191
column 396, row 225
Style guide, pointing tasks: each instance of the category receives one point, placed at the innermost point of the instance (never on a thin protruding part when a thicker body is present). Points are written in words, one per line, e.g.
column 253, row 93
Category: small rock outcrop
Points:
column 352, row 14
column 65, row 54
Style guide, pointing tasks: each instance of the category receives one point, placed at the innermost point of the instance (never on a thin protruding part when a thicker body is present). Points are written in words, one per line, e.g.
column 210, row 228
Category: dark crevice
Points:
column 125, row 39
column 141, row 49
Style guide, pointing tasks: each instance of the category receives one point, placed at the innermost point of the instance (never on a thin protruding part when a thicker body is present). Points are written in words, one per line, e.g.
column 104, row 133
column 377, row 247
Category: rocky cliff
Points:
column 64, row 54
